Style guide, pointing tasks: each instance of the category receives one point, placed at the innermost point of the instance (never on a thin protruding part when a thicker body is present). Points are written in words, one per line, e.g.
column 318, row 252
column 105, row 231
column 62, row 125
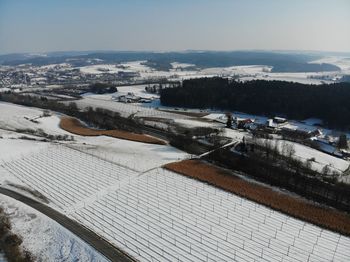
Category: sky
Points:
column 169, row 25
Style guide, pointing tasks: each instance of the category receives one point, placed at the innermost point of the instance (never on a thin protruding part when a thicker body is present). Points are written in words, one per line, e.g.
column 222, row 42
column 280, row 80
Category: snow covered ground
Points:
column 13, row 148
column 14, row 117
column 137, row 90
column 177, row 65
column 342, row 62
column 301, row 152
column 137, row 66
column 320, row 159
column 101, row 69
column 304, row 78
column 99, row 164
column 133, row 66
column 304, row 125
column 237, row 70
column 18, row 117
column 102, row 162
column 118, row 189
column 138, row 156
column 220, row 116
column 162, row 216
column 190, row 123
column 124, row 109
column 43, row 237
column 245, row 73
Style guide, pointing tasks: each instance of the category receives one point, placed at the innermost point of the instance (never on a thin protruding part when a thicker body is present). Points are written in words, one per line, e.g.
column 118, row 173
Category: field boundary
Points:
column 324, row 217
column 74, row 126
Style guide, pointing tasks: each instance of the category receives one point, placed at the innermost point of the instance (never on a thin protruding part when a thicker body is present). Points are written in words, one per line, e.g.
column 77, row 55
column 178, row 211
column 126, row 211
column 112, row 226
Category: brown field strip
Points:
column 74, row 126
column 322, row 216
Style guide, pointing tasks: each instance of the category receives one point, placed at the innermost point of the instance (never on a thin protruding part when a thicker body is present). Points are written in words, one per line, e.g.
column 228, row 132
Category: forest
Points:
column 102, row 88
column 329, row 102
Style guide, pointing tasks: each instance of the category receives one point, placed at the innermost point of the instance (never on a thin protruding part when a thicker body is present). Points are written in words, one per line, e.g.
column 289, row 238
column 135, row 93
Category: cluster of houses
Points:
column 276, row 124
column 283, row 127
column 28, row 75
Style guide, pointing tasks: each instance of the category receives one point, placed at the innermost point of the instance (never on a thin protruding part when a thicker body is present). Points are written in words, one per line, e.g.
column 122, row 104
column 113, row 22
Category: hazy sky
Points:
column 53, row 25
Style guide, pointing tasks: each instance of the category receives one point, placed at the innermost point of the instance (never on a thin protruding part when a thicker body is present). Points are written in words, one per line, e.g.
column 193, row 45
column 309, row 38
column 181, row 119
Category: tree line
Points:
column 263, row 161
column 329, row 102
column 95, row 117
column 102, row 88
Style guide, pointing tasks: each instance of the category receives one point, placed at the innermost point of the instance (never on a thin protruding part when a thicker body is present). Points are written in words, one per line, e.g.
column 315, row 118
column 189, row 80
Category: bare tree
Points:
column 326, row 170
column 229, row 120
column 342, row 142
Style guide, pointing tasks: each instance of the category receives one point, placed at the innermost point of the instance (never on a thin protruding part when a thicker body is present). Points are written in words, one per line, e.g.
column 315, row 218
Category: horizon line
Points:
column 174, row 51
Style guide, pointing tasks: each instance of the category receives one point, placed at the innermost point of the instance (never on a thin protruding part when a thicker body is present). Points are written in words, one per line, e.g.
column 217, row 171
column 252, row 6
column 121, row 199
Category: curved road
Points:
column 105, row 248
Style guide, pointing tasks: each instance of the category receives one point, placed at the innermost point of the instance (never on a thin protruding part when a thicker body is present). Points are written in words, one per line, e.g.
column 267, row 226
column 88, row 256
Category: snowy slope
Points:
column 11, row 149
column 14, row 117
column 304, row 153
column 138, row 156
column 137, row 90
column 159, row 215
column 43, row 237
column 124, row 109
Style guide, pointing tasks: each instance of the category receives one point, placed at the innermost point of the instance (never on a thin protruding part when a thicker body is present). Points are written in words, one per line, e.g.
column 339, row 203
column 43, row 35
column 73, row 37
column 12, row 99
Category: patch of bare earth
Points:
column 74, row 126
column 322, row 216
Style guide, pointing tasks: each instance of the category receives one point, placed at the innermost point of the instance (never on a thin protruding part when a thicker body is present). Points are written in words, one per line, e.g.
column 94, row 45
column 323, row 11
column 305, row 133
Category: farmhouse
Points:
column 129, row 98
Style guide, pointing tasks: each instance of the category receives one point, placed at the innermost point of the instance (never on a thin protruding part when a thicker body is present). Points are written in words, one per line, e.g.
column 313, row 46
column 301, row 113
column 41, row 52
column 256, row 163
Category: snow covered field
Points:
column 124, row 109
column 197, row 123
column 304, row 78
column 101, row 69
column 67, row 176
column 245, row 73
column 13, row 148
column 18, row 117
column 133, row 66
column 342, row 62
column 14, row 117
column 34, row 228
column 158, row 215
column 321, row 159
column 220, row 116
column 177, row 65
column 137, row 90
column 137, row 156
column 164, row 216
column 118, row 189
